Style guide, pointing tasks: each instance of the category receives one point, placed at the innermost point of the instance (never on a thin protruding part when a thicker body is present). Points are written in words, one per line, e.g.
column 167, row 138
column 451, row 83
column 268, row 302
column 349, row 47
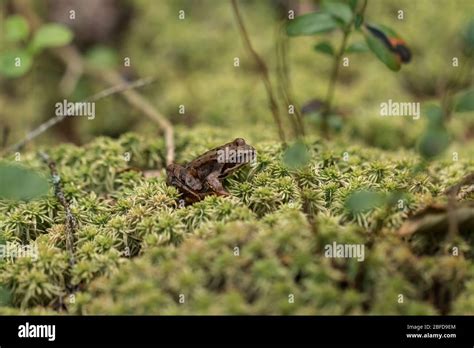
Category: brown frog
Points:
column 204, row 175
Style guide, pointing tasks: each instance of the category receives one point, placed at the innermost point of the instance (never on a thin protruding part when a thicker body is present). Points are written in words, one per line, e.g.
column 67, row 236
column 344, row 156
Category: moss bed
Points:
column 260, row 251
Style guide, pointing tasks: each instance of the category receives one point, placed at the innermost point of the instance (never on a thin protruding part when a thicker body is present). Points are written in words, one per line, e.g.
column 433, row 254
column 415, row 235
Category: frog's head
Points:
column 235, row 155
column 245, row 152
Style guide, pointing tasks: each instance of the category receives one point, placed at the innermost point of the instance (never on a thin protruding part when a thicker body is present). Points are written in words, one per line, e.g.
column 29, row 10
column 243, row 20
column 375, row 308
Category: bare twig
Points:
column 284, row 82
column 70, row 54
column 56, row 119
column 262, row 68
column 74, row 71
column 135, row 99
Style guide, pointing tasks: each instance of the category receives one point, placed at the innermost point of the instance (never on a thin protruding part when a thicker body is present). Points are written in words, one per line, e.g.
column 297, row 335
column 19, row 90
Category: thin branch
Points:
column 74, row 71
column 135, row 99
column 70, row 54
column 335, row 72
column 125, row 86
column 447, row 102
column 283, row 78
column 56, row 119
column 262, row 68
column 142, row 104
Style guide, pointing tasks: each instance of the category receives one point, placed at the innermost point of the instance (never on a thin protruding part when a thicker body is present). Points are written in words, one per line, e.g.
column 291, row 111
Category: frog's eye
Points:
column 239, row 142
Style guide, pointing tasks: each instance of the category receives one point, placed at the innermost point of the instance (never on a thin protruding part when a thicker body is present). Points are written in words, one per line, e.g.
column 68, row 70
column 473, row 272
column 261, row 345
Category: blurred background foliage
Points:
column 193, row 61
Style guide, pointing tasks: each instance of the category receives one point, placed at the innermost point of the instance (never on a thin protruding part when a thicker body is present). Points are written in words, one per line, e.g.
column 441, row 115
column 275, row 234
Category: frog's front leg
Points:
column 184, row 181
column 216, row 185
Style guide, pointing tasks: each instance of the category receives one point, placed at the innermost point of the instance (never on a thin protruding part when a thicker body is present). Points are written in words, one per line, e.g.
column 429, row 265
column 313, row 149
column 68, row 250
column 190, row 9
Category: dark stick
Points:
column 71, row 222
column 5, row 134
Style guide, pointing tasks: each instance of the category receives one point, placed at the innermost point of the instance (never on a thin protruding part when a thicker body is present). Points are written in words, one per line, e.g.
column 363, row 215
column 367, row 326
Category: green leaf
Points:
column 353, row 4
column 433, row 142
column 338, row 10
column 434, row 115
column 103, row 57
column 359, row 20
column 15, row 63
column 5, row 296
column 51, row 35
column 16, row 28
column 296, row 156
column 310, row 24
column 362, row 201
column 19, row 183
column 468, row 35
column 324, row 47
column 357, row 47
column 382, row 52
column 335, row 122
column 465, row 102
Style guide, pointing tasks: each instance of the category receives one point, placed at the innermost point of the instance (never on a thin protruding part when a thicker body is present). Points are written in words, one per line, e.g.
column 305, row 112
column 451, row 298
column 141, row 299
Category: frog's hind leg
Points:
column 216, row 185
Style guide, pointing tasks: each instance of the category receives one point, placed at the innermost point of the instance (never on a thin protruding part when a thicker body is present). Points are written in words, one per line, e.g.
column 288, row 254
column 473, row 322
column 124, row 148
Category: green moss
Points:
column 137, row 251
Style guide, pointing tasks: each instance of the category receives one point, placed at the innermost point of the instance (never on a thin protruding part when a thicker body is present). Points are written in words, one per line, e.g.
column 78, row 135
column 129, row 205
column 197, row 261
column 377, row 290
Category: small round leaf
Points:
column 363, row 201
column 296, row 156
column 16, row 28
column 338, row 10
column 51, row 35
column 357, row 47
column 433, row 142
column 15, row 63
column 434, row 115
column 19, row 183
column 324, row 47
column 465, row 102
column 102, row 57
column 310, row 24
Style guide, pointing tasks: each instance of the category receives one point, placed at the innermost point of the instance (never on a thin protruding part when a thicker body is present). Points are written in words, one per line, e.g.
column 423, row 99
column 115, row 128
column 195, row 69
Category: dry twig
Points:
column 70, row 55
column 283, row 78
column 56, row 119
column 262, row 68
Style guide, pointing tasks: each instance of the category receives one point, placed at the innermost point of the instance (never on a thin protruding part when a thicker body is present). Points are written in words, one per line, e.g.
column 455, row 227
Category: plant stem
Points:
column 333, row 79
column 336, row 68
column 447, row 102
column 71, row 222
column 284, row 81
column 68, row 54
column 57, row 119
column 263, row 70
